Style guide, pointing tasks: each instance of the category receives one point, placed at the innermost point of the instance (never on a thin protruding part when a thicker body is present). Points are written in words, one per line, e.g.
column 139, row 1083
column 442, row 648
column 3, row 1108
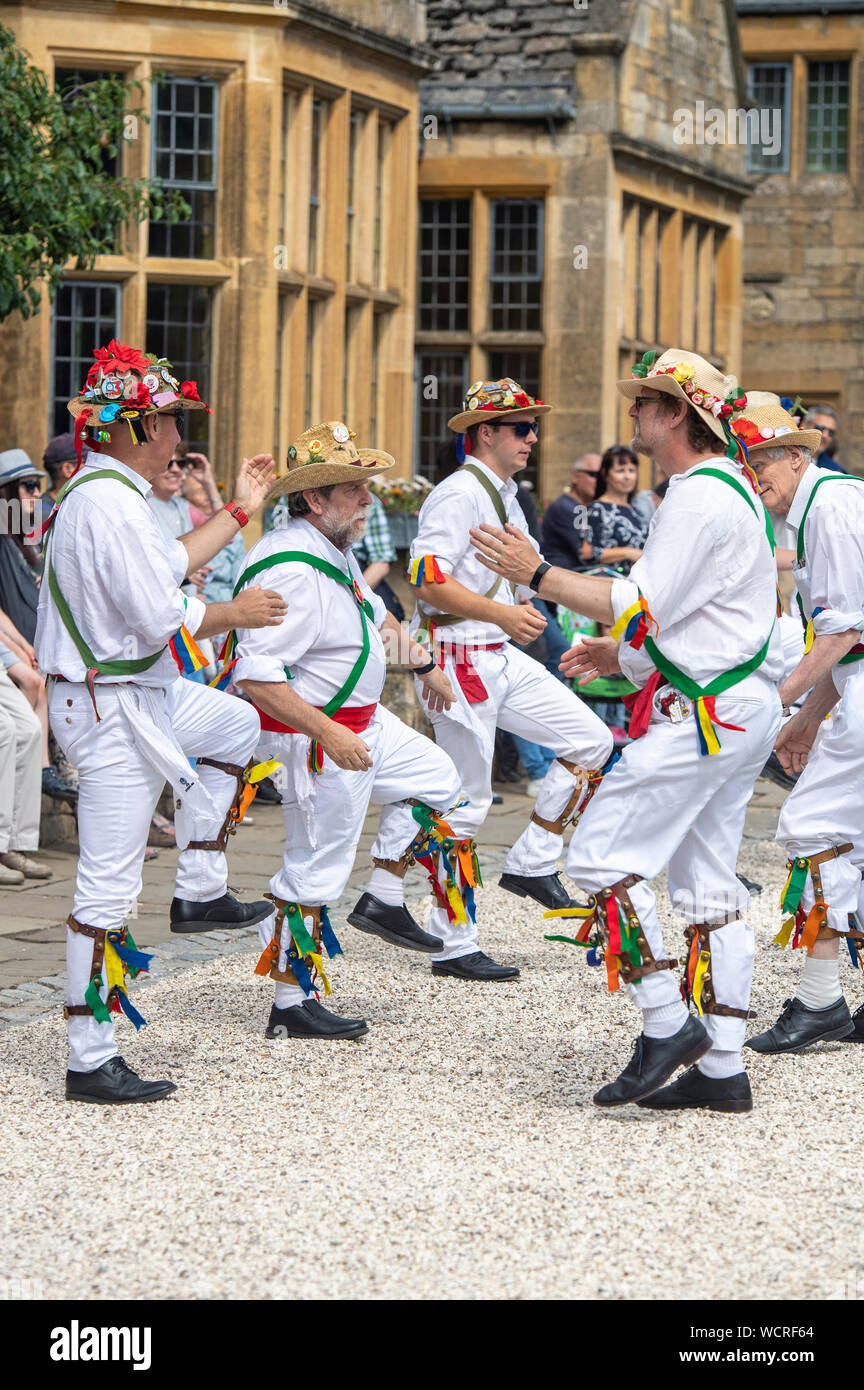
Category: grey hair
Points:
column 780, row 451
column 297, row 504
column 819, row 410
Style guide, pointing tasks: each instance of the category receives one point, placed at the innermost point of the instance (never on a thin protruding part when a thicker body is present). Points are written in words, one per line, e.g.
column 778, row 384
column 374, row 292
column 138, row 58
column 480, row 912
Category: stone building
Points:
column 291, row 130
column 804, row 224
column 563, row 227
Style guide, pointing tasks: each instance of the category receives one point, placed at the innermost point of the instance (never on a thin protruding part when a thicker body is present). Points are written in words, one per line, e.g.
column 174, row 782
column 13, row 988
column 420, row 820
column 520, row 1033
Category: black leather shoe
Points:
column 798, row 1027
column 749, row 883
column 653, row 1062
column 268, row 793
column 546, row 889
column 857, row 1034
column 311, row 1020
column 226, row 911
column 776, row 773
column 114, row 1084
column 393, row 924
column 475, row 966
column 695, row 1091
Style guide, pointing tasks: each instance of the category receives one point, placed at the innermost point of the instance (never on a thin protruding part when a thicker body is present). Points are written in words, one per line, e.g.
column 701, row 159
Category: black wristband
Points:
column 536, row 578
column 424, row 670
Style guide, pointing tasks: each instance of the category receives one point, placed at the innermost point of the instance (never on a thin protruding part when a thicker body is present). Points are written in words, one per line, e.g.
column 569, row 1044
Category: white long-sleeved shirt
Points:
column 321, row 636
column 709, row 578
column 120, row 577
column 446, row 517
column 832, row 574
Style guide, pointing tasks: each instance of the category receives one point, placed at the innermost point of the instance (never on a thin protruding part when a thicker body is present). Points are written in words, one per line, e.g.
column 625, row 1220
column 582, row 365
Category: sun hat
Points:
column 16, row 466
column 690, row 378
column 125, row 384
column 325, row 454
column 493, row 400
column 766, row 425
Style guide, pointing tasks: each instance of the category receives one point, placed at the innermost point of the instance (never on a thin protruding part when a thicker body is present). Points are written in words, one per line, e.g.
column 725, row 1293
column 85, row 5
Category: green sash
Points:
column 826, row 478
column 284, row 557
column 95, row 667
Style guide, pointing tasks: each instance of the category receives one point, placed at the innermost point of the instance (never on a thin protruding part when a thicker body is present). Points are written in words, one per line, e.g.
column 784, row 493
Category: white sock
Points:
column 820, row 983
column 288, row 995
column 665, row 1020
column 720, row 1064
column 386, row 887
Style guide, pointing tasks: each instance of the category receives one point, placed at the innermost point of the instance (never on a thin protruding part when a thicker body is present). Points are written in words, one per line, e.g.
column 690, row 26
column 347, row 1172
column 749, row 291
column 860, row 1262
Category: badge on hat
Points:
column 341, row 434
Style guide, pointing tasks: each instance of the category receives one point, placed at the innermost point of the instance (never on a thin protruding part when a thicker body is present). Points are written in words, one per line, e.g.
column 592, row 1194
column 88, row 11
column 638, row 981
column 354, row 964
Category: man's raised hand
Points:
column 508, row 552
column 252, row 483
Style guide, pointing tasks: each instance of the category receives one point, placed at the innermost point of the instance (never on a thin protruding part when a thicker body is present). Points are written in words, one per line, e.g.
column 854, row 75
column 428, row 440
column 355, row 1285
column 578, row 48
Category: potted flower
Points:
column 402, row 499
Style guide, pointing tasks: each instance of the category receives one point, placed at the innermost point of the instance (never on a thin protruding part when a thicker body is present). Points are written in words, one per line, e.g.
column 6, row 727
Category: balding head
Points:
column 583, row 479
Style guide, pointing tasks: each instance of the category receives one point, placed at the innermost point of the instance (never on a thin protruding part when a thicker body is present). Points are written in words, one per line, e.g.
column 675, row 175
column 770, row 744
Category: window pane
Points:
column 184, row 157
column 442, row 386
column 769, row 85
column 84, row 317
column 179, row 328
column 444, row 287
column 827, row 117
column 516, row 265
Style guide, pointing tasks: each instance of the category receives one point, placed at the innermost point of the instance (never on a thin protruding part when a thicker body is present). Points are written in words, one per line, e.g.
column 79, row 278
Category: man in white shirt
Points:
column 110, row 616
column 472, row 625
column 822, row 821
column 316, row 681
column 705, row 590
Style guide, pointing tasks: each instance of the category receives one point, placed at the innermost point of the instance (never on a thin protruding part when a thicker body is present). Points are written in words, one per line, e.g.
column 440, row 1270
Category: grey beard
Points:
column 342, row 537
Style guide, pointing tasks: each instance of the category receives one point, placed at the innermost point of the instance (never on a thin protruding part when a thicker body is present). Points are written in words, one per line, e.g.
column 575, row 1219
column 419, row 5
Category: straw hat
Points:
column 493, row 400
column 324, row 455
column 125, row 384
column 768, row 426
column 689, row 378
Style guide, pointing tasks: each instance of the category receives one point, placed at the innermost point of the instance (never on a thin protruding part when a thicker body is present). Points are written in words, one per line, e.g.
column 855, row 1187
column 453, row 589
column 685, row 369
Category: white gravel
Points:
column 452, row 1153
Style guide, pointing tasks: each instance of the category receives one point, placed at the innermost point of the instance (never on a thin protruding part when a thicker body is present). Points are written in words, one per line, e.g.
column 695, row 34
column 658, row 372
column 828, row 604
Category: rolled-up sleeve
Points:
column 676, row 574
column 439, row 534
column 264, row 652
column 834, row 547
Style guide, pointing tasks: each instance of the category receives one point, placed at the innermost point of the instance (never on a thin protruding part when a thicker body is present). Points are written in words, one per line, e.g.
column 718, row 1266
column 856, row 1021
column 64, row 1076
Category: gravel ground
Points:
column 452, row 1153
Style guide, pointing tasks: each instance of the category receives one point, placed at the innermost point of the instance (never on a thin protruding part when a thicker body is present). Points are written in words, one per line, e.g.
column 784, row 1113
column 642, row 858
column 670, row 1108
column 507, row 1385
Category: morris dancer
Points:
column 341, row 747
column 822, row 821
column 496, row 684
column 705, row 587
column 112, row 629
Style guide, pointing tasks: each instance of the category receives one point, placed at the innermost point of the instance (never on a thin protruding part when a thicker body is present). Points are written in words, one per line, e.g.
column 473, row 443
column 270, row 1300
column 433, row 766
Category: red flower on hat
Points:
column 142, row 397
column 189, row 389
column 746, row 430
column 118, row 358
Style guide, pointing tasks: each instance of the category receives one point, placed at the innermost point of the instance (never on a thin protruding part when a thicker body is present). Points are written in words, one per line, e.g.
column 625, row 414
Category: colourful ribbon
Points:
column 186, row 652
column 425, row 570
column 635, row 623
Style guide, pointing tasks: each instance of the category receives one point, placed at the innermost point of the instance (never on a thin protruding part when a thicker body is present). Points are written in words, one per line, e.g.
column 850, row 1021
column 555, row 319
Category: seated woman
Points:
column 617, row 531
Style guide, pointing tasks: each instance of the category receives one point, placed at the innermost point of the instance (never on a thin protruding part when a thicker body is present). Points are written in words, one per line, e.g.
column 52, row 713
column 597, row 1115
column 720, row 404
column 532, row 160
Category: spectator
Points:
column 20, row 560
column 20, row 786
column 202, row 493
column 617, row 531
column 61, row 461
column 824, row 418
column 565, row 535
column 173, row 515
column 375, row 554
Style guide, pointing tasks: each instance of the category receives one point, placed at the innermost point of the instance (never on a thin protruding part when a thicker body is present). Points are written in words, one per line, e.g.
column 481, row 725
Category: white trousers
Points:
column 117, row 794
column 20, row 769
column 404, row 764
column 524, row 699
column 663, row 803
column 826, row 805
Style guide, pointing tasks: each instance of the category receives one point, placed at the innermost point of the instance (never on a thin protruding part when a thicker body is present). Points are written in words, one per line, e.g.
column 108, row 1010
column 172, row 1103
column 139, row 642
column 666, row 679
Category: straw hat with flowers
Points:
column 325, row 454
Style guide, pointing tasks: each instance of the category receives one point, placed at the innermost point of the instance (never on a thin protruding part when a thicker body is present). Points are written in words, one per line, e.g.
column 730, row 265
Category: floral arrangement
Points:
column 405, row 495
column 753, row 434
column 682, row 372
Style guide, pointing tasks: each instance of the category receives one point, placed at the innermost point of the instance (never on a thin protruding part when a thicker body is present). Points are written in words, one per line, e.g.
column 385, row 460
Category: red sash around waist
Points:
column 354, row 717
column 472, row 687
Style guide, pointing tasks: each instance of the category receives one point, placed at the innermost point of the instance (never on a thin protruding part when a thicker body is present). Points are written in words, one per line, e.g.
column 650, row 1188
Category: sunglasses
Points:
column 522, row 428
column 32, row 486
column 644, row 400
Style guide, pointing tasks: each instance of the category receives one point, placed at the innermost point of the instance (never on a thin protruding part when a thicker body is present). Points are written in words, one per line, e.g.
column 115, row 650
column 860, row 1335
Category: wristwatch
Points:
column 536, row 578
column 238, row 513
